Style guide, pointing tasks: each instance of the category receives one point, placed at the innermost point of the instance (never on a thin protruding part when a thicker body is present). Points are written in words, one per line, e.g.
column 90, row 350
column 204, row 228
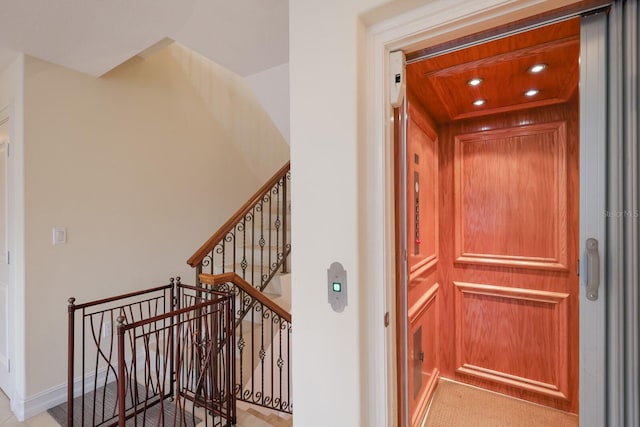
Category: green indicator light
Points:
column 337, row 287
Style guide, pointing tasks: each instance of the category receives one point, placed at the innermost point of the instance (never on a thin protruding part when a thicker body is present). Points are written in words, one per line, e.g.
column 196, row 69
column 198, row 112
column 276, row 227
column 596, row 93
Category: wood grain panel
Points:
column 422, row 281
column 424, row 320
column 422, row 260
column 555, row 84
column 537, row 280
column 422, row 184
column 441, row 82
column 511, row 197
column 517, row 337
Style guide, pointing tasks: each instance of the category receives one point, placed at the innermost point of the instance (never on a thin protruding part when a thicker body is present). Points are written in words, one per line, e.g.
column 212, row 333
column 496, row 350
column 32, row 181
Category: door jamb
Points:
column 434, row 23
column 6, row 117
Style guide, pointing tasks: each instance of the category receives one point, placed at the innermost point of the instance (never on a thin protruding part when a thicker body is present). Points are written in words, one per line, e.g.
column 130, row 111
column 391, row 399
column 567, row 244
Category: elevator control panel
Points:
column 337, row 287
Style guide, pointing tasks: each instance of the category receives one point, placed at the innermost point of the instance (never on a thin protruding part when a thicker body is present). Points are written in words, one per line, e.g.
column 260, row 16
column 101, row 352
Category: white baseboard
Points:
column 47, row 399
column 40, row 402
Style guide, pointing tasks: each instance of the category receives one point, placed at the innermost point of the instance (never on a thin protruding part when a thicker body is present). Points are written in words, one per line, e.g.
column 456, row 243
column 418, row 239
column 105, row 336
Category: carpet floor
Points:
column 459, row 405
column 106, row 408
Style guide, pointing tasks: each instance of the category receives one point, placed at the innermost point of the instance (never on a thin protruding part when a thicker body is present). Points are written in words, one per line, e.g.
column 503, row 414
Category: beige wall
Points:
column 236, row 110
column 141, row 166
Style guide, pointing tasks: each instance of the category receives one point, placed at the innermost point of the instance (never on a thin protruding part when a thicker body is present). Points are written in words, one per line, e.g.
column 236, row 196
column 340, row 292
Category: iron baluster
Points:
column 284, row 222
column 173, row 304
column 270, row 232
column 70, row 348
column 277, row 225
column 121, row 369
column 252, row 244
column 280, row 362
column 83, row 360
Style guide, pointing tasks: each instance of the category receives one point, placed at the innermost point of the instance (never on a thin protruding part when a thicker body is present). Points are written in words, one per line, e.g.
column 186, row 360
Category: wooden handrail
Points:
column 208, row 246
column 219, row 279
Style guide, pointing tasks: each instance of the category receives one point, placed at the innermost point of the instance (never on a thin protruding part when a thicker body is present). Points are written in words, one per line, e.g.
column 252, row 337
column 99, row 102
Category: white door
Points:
column 4, row 258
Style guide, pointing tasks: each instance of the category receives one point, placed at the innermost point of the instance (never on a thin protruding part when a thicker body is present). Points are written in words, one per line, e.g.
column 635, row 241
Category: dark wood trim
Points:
column 218, row 279
column 208, row 246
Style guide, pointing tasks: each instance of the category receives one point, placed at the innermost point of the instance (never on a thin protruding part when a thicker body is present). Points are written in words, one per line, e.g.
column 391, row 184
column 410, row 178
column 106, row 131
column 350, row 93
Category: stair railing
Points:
column 263, row 345
column 254, row 242
column 171, row 353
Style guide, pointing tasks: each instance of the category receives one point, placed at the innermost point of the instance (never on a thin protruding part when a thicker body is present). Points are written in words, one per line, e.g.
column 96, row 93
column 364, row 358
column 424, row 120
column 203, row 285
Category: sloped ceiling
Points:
column 95, row 36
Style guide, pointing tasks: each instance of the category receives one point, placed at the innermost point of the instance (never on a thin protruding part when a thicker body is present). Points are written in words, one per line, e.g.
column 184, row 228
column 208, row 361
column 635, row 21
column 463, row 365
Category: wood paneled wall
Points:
column 422, row 261
column 508, row 253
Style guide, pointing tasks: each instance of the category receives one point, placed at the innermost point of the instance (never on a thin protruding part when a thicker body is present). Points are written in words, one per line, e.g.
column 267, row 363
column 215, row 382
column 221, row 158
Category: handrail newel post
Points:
column 121, row 371
column 177, row 349
column 70, row 361
column 232, row 378
column 173, row 305
column 198, row 273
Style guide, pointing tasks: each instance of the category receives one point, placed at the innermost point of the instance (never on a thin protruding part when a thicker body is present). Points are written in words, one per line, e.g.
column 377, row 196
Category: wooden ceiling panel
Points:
column 441, row 83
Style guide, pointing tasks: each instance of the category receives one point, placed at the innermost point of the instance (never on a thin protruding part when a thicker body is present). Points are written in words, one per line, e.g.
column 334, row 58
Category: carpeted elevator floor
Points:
column 459, row 405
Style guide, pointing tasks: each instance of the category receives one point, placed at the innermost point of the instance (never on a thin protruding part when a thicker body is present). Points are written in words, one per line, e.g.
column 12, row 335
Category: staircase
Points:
column 248, row 256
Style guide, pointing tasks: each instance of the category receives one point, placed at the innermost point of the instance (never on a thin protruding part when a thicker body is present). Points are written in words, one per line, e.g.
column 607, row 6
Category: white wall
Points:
column 244, row 36
column 272, row 90
column 12, row 98
column 141, row 166
column 328, row 377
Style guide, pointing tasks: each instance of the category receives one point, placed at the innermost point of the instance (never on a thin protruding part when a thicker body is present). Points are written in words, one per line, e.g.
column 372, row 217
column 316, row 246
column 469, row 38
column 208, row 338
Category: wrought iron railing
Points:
column 254, row 242
column 174, row 341
column 263, row 344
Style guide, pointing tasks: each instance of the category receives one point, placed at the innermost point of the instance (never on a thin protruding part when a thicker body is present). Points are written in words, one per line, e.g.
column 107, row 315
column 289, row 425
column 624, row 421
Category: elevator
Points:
column 487, row 206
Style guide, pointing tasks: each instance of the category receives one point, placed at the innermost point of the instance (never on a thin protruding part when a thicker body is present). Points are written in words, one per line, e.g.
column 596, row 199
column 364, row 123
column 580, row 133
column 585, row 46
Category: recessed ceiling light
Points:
column 474, row 81
column 479, row 102
column 532, row 92
column 537, row 68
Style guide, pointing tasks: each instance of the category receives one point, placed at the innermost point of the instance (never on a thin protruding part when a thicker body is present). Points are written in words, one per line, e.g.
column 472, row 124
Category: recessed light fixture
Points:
column 475, row 81
column 537, row 68
column 479, row 102
column 532, row 92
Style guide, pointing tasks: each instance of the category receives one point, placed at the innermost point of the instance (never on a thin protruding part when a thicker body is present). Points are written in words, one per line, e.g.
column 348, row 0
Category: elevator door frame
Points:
column 424, row 27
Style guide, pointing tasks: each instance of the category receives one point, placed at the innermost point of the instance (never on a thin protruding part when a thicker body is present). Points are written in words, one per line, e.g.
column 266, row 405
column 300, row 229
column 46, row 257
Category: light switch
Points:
column 59, row 235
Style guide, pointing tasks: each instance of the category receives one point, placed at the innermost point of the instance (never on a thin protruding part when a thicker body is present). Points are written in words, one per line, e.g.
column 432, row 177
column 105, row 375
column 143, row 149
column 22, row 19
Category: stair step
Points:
column 253, row 415
column 273, row 419
column 256, row 255
column 250, row 273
